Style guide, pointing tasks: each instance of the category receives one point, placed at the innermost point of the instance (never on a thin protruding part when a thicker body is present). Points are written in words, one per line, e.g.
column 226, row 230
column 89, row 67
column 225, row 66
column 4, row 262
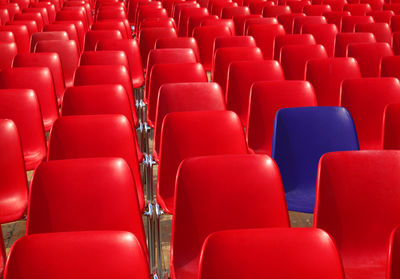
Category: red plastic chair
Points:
column 327, row 75
column 113, row 14
column 223, row 22
column 382, row 16
column 205, row 36
column 257, row 7
column 364, row 100
column 324, row 34
column 291, row 39
column 93, row 205
column 369, row 56
column 40, row 80
column 68, row 53
column 8, row 52
column 178, row 97
column 180, row 42
column 93, row 37
column 265, row 100
column 241, row 77
column 274, row 11
column 225, row 56
column 376, row 5
column 43, row 12
column 107, row 57
column 148, row 12
column 49, row 60
column 240, row 21
column 88, row 251
column 294, row 59
column 358, row 9
column 396, row 43
column 317, row 10
column 336, row 17
column 7, row 37
column 344, row 39
column 347, row 182
column 390, row 66
column 207, row 178
column 131, row 49
column 46, row 36
column 30, row 24
column 300, row 21
column 265, row 34
column 349, row 22
column 84, row 136
column 186, row 14
column 12, row 8
column 87, row 13
column 218, row 6
column 22, row 107
column 287, row 20
column 381, row 31
column 230, row 12
column 50, row 8
column 21, row 36
column 107, row 74
column 393, row 255
column 148, row 38
column 77, row 15
column 196, row 21
column 157, row 23
column 37, row 17
column 258, row 21
column 80, row 29
column 233, row 41
column 170, row 73
column 100, row 99
column 223, row 254
column 395, row 23
column 395, row 7
column 179, row 7
column 110, row 24
column 297, row 6
column 69, row 28
column 390, row 127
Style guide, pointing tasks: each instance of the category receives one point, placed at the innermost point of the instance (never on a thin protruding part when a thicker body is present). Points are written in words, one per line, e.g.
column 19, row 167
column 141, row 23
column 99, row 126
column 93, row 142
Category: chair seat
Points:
column 301, row 199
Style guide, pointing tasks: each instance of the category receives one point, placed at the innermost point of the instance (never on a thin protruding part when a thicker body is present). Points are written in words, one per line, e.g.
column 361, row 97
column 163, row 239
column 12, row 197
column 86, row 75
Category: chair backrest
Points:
column 131, row 49
column 391, row 132
column 78, row 255
column 257, row 7
column 49, row 35
column 22, row 107
column 287, row 20
column 230, row 12
column 336, row 17
column 365, row 101
column 327, row 75
column 112, row 24
column 225, row 56
column 186, row 13
column 69, row 55
column 93, row 37
column 50, row 60
column 347, row 182
column 14, row 191
column 389, row 66
column 381, row 31
column 324, row 34
column 201, row 188
column 85, row 136
column 349, row 22
column 291, row 39
column 40, row 80
column 369, row 56
column 265, row 100
column 107, row 57
column 7, row 37
column 317, row 10
column 21, row 35
column 158, row 22
column 36, row 16
column 301, row 136
column 358, row 9
column 29, row 23
column 180, row 42
column 66, row 15
column 8, row 52
column 186, row 134
column 223, row 254
column 224, row 22
column 300, row 21
column 264, row 35
column 396, row 43
column 382, row 16
column 193, row 96
column 234, row 41
column 241, row 77
column 274, row 11
column 256, row 21
column 170, row 73
column 240, row 22
column 80, row 29
column 344, row 39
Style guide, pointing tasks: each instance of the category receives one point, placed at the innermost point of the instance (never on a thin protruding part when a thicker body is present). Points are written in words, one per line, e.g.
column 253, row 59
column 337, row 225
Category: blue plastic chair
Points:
column 301, row 136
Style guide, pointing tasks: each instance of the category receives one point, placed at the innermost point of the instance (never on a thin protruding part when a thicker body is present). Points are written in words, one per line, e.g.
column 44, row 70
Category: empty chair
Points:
column 300, row 21
column 396, row 43
column 50, row 8
column 324, row 34
column 107, row 57
column 186, row 14
column 317, row 10
column 301, row 136
column 206, row 178
column 148, row 38
column 40, row 36
column 366, row 103
column 205, row 36
column 170, row 73
column 395, row 23
column 294, row 59
column 180, row 42
column 80, row 30
column 89, row 249
column 131, row 49
column 257, row 7
column 107, row 74
column 287, row 21
column 218, row 6
column 8, row 52
column 78, row 15
column 22, row 107
column 391, row 135
column 241, row 77
column 382, row 16
column 30, row 24
column 255, row 21
column 195, row 21
column 21, row 36
column 265, row 100
column 230, row 12
column 69, row 55
column 291, row 39
column 223, row 254
column 265, row 34
column 166, row 22
column 40, row 80
column 360, row 9
column 349, row 22
column 234, row 41
column 111, row 24
column 85, row 136
column 224, row 22
column 335, row 17
column 390, row 66
column 7, row 37
column 369, row 56
column 240, row 22
column 225, row 56
column 92, row 37
column 191, row 96
column 376, row 5
column 344, row 39
column 36, row 16
column 327, row 75
column 50, row 60
column 348, row 182
column 43, row 12
column 380, row 30
column 274, row 11
column 395, row 7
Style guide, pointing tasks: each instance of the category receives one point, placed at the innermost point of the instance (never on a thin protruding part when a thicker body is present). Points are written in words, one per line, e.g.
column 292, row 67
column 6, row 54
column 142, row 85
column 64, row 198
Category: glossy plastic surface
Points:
column 78, row 255
column 349, row 22
column 240, row 22
column 324, row 34
column 21, row 36
column 224, row 22
column 391, row 132
column 327, row 75
column 234, row 41
column 111, row 24
column 335, row 17
column 187, row 134
column 366, row 102
column 347, row 182
column 390, row 66
column 80, row 29
column 78, row 15
column 85, row 136
column 36, row 16
column 301, row 137
column 344, row 39
column 230, row 12
column 241, row 77
column 186, row 14
column 358, row 9
column 265, row 34
column 381, row 31
column 303, row 253
column 317, row 10
column 180, row 42
column 287, row 20
column 300, row 21
column 206, row 179
column 266, row 99
column 8, row 52
column 93, row 37
column 396, row 43
column 50, row 35
column 256, row 21
column 22, row 107
column 296, row 39
column 275, row 11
